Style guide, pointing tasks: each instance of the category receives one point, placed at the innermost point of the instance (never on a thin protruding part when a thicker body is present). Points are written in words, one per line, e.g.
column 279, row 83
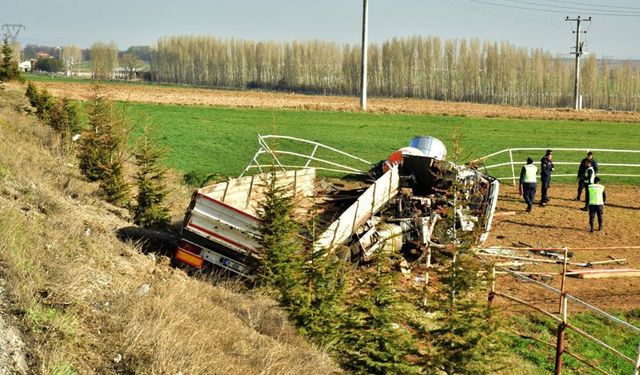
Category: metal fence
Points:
column 562, row 317
column 284, row 153
column 612, row 162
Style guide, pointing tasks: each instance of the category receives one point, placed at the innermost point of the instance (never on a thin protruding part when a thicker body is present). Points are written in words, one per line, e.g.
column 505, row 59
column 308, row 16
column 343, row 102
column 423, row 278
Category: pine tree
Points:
column 9, row 70
column 375, row 339
column 102, row 150
column 31, row 93
column 282, row 260
column 44, row 103
column 92, row 150
column 321, row 315
column 463, row 340
column 113, row 187
column 150, row 209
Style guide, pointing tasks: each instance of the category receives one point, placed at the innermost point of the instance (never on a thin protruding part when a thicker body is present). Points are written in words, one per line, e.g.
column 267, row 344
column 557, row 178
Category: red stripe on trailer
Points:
column 229, row 207
column 225, row 239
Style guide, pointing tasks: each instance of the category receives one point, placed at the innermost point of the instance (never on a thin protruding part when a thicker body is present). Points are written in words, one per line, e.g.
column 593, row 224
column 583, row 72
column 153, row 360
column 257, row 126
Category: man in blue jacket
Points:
column 546, row 167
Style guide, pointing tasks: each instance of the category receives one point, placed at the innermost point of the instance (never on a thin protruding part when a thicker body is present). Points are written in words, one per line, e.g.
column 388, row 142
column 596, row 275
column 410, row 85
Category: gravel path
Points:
column 12, row 359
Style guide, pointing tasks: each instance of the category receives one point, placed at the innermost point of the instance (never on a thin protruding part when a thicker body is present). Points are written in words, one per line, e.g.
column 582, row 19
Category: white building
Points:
column 26, row 66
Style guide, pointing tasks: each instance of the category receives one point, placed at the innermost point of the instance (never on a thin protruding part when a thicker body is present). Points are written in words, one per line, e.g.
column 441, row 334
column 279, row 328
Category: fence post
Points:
column 560, row 341
column 492, row 292
column 636, row 371
column 564, row 276
column 513, row 170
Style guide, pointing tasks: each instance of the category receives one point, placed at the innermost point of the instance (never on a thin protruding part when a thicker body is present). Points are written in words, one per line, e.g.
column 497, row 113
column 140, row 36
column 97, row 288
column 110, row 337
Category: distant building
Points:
column 42, row 55
column 27, row 66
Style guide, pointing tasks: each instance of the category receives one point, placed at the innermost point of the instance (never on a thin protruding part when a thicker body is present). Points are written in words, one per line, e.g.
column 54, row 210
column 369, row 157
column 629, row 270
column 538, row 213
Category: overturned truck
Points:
column 413, row 199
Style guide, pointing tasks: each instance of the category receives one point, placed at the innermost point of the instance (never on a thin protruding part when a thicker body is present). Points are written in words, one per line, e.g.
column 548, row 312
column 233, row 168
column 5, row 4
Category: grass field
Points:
column 542, row 356
column 206, row 140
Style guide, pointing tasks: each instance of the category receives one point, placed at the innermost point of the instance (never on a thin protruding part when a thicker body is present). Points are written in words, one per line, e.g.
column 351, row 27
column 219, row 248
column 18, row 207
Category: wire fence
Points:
column 562, row 316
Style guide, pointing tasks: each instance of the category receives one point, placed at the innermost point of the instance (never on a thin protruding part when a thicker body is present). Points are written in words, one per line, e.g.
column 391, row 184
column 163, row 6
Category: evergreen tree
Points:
column 463, row 340
column 376, row 341
column 311, row 284
column 321, row 315
column 102, row 148
column 31, row 93
column 9, row 70
column 282, row 260
column 150, row 209
column 93, row 148
column 43, row 102
column 113, row 187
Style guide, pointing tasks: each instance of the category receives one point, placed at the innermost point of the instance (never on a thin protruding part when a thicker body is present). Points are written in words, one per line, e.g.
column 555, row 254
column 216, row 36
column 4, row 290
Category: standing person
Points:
column 597, row 198
column 546, row 167
column 527, row 187
column 582, row 170
column 588, row 179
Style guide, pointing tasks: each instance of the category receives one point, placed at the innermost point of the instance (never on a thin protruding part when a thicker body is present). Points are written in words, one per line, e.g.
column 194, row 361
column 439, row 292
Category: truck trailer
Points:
column 413, row 199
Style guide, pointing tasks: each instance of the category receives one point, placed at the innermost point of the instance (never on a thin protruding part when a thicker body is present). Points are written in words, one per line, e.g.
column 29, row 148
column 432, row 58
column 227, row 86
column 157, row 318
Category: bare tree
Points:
column 70, row 56
column 104, row 59
column 131, row 63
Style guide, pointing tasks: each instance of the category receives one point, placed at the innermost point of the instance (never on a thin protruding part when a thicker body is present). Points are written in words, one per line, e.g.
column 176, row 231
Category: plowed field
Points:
column 259, row 99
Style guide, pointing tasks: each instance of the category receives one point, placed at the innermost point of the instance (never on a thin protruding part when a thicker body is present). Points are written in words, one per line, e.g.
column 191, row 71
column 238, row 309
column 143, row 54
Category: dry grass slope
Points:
column 94, row 304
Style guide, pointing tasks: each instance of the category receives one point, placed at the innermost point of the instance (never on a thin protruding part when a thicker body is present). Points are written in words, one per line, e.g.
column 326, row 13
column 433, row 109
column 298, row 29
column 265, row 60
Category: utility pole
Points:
column 363, row 63
column 11, row 31
column 578, row 52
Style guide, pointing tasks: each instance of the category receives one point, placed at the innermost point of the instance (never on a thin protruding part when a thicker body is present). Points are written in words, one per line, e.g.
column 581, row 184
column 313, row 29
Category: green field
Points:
column 205, row 140
column 542, row 356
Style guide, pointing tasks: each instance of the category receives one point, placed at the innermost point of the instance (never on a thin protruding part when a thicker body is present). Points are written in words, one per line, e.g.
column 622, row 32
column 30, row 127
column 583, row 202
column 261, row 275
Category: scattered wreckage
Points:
column 409, row 200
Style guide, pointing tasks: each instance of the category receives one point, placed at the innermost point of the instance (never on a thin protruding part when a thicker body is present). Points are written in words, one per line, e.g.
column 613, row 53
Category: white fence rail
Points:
column 284, row 152
column 504, row 163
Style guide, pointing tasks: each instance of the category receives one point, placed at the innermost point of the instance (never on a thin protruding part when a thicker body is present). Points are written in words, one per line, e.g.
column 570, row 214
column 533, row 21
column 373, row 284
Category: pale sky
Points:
column 614, row 31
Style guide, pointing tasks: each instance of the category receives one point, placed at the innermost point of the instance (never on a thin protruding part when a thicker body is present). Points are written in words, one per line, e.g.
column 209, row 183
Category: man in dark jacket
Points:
column 546, row 167
column 589, row 178
column 582, row 170
column 527, row 187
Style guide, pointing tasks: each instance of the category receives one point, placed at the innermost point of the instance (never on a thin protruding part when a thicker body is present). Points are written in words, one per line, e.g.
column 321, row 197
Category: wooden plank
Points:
column 604, row 274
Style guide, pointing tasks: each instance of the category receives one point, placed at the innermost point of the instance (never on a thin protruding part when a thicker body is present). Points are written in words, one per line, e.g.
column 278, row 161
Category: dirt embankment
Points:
column 93, row 302
column 260, row 99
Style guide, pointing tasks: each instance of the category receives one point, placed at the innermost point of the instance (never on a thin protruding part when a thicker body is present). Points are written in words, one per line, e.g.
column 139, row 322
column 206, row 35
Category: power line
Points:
column 593, row 5
column 548, row 10
column 571, row 7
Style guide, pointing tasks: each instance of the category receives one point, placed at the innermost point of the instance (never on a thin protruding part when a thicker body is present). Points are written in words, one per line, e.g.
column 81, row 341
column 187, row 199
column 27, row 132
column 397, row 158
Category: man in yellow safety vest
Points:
column 527, row 187
column 596, row 197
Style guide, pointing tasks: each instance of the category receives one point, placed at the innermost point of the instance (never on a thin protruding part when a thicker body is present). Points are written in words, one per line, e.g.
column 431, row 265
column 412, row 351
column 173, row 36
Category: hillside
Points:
column 88, row 302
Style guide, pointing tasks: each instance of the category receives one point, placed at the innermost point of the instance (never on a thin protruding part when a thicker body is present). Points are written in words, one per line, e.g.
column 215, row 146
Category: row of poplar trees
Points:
column 417, row 67
column 102, row 151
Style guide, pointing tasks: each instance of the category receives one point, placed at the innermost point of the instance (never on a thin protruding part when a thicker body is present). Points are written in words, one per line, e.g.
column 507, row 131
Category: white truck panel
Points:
column 371, row 201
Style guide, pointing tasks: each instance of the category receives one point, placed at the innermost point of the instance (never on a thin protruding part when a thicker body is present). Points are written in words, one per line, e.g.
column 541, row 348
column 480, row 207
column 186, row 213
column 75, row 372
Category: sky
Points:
column 612, row 33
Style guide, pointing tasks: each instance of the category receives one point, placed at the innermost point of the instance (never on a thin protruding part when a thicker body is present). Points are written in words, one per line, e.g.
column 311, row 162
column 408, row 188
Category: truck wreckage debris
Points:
column 403, row 202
